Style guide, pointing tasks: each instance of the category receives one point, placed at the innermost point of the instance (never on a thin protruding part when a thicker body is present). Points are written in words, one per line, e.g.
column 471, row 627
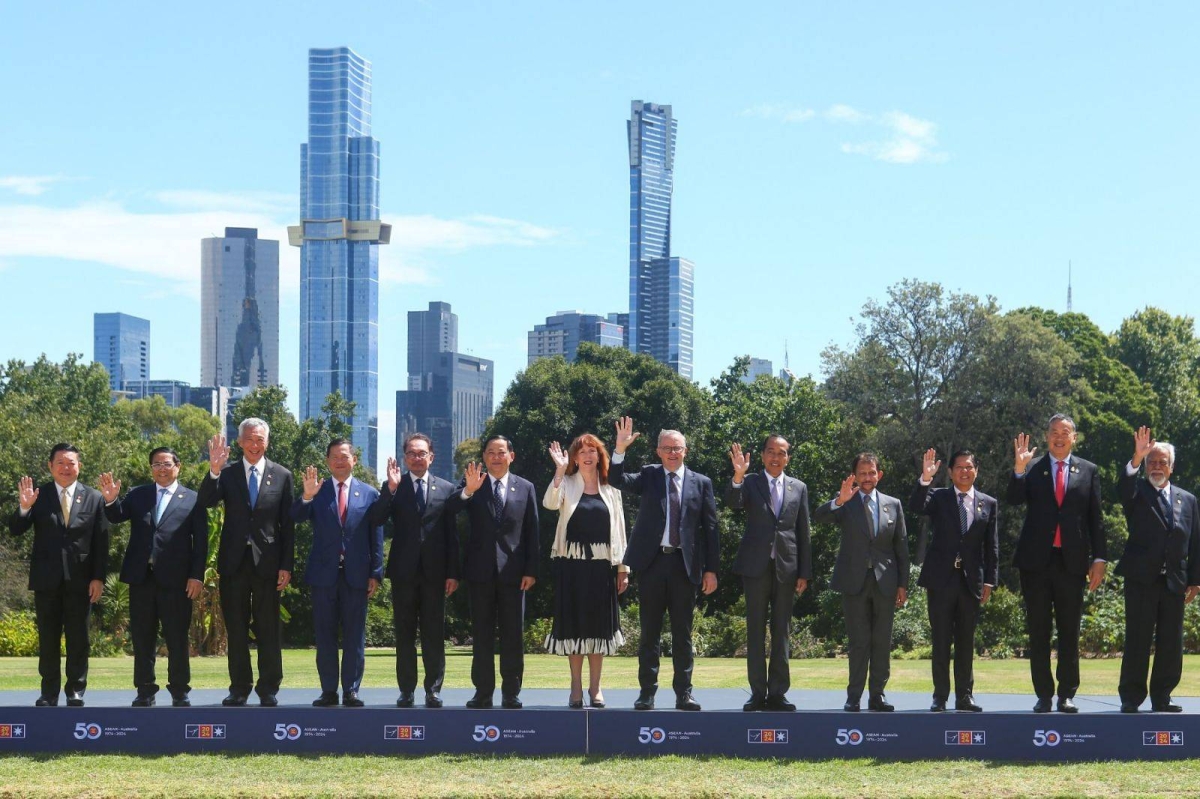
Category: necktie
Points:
column 1164, row 502
column 66, row 508
column 1060, row 491
column 962, row 513
column 869, row 505
column 498, row 501
column 420, row 492
column 776, row 496
column 253, row 486
column 342, row 503
column 163, row 498
column 675, row 510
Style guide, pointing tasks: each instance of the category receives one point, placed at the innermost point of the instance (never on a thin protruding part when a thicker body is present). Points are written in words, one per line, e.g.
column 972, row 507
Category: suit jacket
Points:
column 422, row 544
column 887, row 551
column 789, row 532
column 505, row 552
column 698, row 535
column 1079, row 516
column 361, row 537
column 1152, row 544
column 942, row 540
column 76, row 553
column 268, row 524
column 179, row 542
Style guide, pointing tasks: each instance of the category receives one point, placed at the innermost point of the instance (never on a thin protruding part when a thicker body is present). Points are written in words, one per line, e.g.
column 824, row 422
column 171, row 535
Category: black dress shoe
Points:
column 1042, row 706
column 46, row 701
column 756, row 703
column 234, row 700
column 967, row 703
column 406, row 699
column 938, row 706
column 268, row 700
column 851, row 706
column 350, row 699
column 1167, row 707
column 1067, row 705
column 144, row 701
column 1129, row 707
column 686, row 701
column 181, row 701
column 478, row 702
column 74, row 700
column 326, row 699
column 644, row 701
column 879, row 704
column 780, row 704
column 432, row 700
column 511, row 703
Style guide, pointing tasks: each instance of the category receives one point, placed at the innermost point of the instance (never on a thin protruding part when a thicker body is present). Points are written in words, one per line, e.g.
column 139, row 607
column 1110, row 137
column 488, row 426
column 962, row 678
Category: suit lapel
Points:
column 1151, row 496
column 175, row 501
column 764, row 489
column 354, row 503
column 333, row 506
column 237, row 474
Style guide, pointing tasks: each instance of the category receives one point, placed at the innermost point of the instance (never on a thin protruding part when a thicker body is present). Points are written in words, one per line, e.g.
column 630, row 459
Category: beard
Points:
column 1158, row 480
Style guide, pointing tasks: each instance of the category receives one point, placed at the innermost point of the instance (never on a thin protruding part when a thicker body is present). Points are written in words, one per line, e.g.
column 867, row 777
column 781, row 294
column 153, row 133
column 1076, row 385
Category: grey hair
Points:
column 1168, row 448
column 1062, row 417
column 664, row 433
column 253, row 421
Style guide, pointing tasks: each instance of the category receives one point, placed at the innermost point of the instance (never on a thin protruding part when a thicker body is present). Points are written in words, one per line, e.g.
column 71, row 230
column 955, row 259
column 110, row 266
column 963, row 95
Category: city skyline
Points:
column 239, row 310
column 831, row 153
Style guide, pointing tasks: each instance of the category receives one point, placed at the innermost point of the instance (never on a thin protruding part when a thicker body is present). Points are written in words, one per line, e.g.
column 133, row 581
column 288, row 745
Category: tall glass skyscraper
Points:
column 239, row 309
column 660, row 287
column 121, row 344
column 339, row 235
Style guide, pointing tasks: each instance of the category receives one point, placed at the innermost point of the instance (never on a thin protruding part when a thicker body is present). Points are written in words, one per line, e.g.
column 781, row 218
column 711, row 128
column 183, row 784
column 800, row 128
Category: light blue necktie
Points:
column 253, row 486
column 872, row 518
column 164, row 497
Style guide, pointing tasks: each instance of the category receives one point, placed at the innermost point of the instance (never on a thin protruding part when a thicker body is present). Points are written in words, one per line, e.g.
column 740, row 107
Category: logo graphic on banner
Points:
column 404, row 732
column 1162, row 738
column 1046, row 738
column 288, row 732
column 488, row 732
column 86, row 730
column 966, row 738
column 766, row 736
column 12, row 730
column 851, row 737
column 651, row 735
column 204, row 731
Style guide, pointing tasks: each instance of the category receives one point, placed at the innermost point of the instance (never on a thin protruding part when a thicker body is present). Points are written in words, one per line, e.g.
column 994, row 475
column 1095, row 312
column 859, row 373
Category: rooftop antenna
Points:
column 1068, row 287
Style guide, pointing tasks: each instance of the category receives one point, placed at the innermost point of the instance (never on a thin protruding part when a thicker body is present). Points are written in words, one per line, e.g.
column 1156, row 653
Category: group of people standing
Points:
column 672, row 551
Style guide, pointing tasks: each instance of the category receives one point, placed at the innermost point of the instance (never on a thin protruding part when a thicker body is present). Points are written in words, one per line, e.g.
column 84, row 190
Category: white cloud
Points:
column 30, row 185
column 906, row 139
column 845, row 113
column 781, row 112
column 276, row 203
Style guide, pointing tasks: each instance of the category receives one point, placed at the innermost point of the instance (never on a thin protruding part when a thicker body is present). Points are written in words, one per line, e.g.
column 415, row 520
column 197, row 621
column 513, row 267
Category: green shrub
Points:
column 536, row 631
column 18, row 634
column 1102, row 630
column 380, row 630
column 910, row 628
column 1001, row 630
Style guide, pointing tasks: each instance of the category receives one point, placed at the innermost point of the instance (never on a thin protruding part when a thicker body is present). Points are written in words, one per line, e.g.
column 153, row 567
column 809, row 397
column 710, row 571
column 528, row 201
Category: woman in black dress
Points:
column 589, row 544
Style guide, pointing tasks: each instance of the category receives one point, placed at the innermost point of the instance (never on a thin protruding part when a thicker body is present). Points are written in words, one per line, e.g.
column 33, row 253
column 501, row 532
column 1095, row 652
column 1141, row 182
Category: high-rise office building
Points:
column 174, row 392
column 339, row 235
column 449, row 395
column 660, row 286
column 121, row 344
column 239, row 309
column 565, row 331
column 758, row 366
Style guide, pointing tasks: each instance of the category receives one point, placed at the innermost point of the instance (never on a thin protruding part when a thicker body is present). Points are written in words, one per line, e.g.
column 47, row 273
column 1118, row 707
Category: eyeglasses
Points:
column 672, row 450
column 418, row 456
column 163, row 465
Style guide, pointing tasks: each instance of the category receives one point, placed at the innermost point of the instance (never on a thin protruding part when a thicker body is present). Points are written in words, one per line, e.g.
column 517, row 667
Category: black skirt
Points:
column 586, row 613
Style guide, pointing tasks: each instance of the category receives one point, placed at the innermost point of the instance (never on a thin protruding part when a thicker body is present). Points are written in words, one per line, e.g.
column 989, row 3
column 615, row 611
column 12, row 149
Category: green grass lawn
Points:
column 549, row 671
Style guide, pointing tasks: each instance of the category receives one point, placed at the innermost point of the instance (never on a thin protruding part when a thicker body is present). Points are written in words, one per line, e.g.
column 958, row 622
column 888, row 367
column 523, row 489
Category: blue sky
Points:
column 825, row 152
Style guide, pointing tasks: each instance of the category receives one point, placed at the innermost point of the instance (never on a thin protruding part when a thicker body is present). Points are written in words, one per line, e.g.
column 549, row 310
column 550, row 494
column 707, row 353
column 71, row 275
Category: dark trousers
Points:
column 58, row 612
column 664, row 587
column 779, row 595
column 1053, row 598
column 869, row 615
column 150, row 605
column 340, row 606
column 953, row 614
column 420, row 600
column 251, row 602
column 1152, row 615
column 493, row 602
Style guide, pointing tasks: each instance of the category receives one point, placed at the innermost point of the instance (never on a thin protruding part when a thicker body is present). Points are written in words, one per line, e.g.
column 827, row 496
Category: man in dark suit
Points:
column 66, row 568
column 1161, row 567
column 673, row 549
column 775, row 562
column 500, row 565
column 164, row 568
column 959, row 550
column 871, row 574
column 255, row 557
column 422, row 565
column 1061, row 548
column 345, row 567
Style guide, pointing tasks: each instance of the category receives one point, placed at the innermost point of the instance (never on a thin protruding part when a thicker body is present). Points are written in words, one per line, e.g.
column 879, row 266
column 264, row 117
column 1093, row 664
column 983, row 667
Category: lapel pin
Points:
column 356, row 493
column 1074, row 469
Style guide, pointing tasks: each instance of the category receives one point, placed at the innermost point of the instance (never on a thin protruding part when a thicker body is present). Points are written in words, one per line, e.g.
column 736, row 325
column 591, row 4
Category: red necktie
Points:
column 342, row 503
column 1060, row 491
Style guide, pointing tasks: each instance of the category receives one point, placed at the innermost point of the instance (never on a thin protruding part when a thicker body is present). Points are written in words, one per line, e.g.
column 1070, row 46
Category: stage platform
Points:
column 1006, row 730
